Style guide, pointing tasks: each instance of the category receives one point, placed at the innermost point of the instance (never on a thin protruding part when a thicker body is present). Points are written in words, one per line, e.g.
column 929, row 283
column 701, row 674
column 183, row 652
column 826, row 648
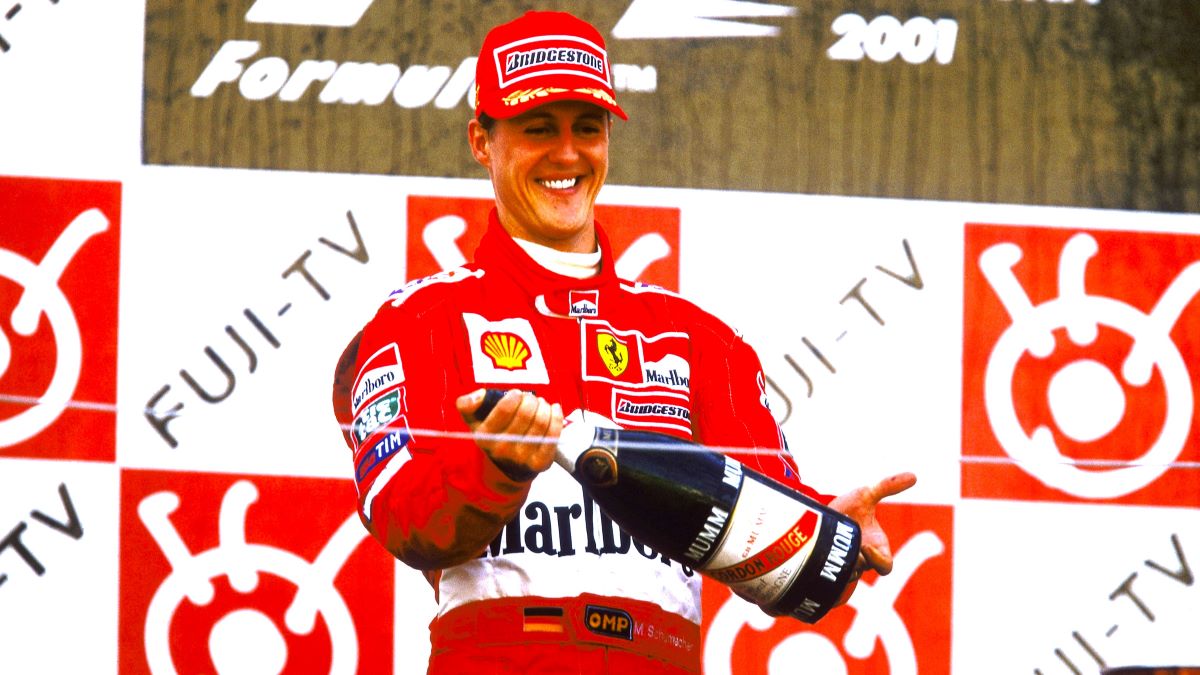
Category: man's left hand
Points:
column 860, row 504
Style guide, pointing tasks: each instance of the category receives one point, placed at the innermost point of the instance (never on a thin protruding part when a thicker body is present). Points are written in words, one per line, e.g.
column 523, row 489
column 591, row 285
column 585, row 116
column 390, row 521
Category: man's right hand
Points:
column 519, row 434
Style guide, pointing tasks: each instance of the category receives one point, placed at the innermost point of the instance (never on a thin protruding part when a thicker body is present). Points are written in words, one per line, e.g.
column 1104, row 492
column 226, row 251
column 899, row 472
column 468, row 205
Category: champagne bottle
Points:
column 772, row 545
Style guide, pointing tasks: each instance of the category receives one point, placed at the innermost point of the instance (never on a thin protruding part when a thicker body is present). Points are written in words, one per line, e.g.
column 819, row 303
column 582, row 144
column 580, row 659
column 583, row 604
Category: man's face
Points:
column 547, row 166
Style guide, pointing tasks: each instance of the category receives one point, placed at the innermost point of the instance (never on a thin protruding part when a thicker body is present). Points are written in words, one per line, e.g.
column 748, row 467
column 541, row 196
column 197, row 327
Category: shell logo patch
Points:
column 506, row 350
column 614, row 353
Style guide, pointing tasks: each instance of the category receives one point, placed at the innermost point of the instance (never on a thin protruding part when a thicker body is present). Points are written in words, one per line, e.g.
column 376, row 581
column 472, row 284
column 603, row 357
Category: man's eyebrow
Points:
column 538, row 115
column 533, row 115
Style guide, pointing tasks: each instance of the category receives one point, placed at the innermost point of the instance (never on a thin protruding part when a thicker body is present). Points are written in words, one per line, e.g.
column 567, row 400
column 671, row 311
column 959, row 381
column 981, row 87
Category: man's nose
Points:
column 564, row 150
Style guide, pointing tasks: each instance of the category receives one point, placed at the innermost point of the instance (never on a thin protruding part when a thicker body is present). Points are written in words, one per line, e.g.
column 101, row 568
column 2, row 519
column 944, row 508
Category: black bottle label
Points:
column 769, row 538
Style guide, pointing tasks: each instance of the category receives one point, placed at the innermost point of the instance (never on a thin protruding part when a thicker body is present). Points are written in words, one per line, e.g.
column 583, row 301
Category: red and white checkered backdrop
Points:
column 196, row 215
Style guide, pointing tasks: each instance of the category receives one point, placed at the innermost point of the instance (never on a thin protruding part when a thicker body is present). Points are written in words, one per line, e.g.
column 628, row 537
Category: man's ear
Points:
column 479, row 141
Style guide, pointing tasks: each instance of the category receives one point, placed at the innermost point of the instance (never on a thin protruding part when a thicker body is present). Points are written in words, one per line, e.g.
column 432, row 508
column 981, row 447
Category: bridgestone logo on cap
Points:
column 550, row 55
column 536, row 57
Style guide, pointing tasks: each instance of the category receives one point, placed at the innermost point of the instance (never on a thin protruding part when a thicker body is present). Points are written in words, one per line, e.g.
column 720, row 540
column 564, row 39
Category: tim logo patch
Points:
column 1081, row 355
column 221, row 573
column 443, row 233
column 59, row 273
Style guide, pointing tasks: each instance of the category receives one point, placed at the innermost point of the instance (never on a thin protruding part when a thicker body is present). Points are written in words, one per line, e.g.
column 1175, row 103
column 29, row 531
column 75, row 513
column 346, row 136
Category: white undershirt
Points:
column 575, row 265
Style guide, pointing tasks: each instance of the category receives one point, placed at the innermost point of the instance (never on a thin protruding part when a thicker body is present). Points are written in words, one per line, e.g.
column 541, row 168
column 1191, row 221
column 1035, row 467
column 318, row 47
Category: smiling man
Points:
column 529, row 575
column 547, row 166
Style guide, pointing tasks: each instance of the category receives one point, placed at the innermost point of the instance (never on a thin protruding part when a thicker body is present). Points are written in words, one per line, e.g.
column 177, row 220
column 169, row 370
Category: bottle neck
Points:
column 575, row 439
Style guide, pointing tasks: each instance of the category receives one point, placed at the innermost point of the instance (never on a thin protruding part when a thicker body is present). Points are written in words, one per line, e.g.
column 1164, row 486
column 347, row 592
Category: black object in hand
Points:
column 772, row 545
column 490, row 398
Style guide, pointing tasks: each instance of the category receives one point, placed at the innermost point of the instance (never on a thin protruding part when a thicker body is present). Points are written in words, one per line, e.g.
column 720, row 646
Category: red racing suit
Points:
column 635, row 354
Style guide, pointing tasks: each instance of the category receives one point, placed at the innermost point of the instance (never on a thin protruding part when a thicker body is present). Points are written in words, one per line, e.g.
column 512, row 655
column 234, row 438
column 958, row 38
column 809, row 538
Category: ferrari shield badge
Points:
column 614, row 352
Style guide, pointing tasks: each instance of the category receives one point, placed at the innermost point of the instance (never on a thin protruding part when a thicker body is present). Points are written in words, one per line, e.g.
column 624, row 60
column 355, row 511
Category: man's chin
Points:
column 567, row 222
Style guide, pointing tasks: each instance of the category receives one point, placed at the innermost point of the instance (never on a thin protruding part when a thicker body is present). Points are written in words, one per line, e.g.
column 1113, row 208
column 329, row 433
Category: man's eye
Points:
column 537, row 131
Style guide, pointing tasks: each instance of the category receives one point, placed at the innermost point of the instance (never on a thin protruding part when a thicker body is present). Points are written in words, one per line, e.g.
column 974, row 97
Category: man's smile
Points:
column 558, row 184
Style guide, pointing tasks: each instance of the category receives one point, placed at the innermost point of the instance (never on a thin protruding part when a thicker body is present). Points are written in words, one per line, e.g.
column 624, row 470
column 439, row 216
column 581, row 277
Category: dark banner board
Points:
column 1081, row 103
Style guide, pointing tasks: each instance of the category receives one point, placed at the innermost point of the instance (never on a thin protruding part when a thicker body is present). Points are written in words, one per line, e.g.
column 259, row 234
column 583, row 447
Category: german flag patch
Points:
column 544, row 620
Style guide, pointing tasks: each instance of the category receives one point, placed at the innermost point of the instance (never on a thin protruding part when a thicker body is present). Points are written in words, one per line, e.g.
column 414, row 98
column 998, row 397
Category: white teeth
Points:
column 564, row 184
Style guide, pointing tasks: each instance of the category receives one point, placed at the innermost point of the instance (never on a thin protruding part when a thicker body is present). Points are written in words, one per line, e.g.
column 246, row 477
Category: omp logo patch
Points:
column 613, row 352
column 609, row 622
column 1080, row 346
column 506, row 350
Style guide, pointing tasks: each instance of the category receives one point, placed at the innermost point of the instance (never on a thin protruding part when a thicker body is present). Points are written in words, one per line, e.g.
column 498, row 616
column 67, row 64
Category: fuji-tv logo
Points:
column 59, row 252
column 896, row 624
column 1080, row 362
column 262, row 574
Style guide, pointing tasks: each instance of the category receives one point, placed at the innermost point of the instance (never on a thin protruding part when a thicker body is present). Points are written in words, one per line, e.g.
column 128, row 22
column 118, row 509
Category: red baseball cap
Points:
column 538, row 58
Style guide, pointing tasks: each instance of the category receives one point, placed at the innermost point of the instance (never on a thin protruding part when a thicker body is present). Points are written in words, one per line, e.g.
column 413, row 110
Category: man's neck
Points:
column 575, row 265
